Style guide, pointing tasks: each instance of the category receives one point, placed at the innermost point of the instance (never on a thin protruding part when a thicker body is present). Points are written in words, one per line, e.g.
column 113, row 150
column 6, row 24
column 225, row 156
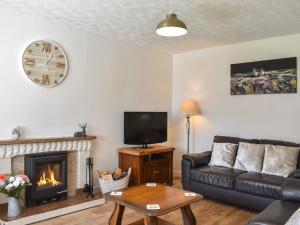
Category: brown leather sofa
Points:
column 247, row 189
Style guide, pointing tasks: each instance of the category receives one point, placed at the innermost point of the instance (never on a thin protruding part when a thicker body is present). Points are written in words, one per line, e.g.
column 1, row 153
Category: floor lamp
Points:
column 189, row 108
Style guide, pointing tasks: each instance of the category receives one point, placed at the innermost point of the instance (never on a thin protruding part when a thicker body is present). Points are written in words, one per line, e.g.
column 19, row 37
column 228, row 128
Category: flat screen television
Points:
column 143, row 128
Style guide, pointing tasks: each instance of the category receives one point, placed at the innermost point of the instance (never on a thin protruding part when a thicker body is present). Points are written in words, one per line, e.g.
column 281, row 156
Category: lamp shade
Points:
column 190, row 107
column 171, row 27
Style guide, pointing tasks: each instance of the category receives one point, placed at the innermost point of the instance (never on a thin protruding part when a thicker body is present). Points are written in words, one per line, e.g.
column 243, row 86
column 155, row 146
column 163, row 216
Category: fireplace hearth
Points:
column 48, row 175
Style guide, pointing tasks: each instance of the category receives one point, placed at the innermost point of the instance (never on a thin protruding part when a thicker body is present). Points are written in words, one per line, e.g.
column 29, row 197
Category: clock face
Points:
column 45, row 63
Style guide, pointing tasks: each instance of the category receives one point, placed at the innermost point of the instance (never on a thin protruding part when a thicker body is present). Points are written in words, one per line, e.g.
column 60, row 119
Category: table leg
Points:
column 188, row 216
column 117, row 215
column 150, row 220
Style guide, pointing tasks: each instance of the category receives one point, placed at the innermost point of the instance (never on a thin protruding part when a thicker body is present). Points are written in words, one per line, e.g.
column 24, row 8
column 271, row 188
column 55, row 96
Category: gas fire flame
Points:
column 48, row 179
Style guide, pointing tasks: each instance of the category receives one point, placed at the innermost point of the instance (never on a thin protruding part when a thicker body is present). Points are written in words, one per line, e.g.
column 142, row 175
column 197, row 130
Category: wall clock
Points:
column 45, row 63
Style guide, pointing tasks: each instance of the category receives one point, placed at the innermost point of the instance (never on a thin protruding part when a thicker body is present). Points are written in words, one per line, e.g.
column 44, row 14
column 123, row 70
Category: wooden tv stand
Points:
column 152, row 164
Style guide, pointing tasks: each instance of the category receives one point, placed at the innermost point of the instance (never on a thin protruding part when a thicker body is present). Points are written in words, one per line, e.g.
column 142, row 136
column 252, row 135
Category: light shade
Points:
column 171, row 27
column 190, row 107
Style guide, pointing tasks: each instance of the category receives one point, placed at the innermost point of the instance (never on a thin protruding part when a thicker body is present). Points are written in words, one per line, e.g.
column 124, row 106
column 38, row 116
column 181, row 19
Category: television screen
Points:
column 142, row 128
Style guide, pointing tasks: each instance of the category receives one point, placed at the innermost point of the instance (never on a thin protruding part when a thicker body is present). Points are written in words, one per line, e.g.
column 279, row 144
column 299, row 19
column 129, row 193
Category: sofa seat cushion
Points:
column 216, row 176
column 260, row 184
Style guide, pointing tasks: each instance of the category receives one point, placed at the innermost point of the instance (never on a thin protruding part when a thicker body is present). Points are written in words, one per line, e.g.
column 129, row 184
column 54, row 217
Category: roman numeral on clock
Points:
column 46, row 47
column 60, row 65
column 29, row 61
column 46, row 79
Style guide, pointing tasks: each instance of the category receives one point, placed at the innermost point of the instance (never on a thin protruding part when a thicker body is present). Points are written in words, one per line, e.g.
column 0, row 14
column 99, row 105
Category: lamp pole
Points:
column 189, row 108
column 188, row 131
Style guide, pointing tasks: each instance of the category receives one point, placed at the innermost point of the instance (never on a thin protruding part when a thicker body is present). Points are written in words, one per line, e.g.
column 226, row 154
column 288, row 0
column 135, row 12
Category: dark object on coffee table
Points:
column 81, row 133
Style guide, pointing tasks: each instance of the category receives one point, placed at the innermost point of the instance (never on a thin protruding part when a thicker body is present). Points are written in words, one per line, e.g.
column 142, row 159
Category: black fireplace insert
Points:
column 48, row 175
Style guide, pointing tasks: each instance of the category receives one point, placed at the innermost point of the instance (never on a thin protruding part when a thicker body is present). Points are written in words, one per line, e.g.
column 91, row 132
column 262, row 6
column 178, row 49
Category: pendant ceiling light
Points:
column 171, row 26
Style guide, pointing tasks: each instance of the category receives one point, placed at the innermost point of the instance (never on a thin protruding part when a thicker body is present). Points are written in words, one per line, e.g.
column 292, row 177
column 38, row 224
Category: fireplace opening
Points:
column 48, row 175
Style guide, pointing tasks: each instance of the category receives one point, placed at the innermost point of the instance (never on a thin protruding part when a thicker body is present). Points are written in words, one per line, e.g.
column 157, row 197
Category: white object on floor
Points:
column 295, row 218
column 151, row 184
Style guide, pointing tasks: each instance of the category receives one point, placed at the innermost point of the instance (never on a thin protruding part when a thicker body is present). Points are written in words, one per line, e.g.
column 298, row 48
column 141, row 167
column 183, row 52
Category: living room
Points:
column 91, row 69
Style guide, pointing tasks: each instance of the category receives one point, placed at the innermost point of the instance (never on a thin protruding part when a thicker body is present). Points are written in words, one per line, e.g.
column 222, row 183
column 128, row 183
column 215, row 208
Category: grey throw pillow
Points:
column 280, row 160
column 223, row 154
column 250, row 157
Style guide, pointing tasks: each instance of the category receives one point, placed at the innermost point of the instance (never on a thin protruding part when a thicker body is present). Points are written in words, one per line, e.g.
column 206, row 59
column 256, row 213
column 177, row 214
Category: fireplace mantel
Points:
column 44, row 140
column 12, row 148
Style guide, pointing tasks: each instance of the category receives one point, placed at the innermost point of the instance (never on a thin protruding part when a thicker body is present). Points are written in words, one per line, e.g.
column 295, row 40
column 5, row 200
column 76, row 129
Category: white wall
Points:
column 108, row 77
column 205, row 77
column 105, row 79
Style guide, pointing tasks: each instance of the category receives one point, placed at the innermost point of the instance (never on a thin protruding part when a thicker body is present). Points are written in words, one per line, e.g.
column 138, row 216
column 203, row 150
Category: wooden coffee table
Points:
column 168, row 198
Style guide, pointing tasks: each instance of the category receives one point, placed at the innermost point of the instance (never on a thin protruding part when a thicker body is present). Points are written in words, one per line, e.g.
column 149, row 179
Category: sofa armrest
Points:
column 198, row 159
column 291, row 190
column 295, row 173
column 192, row 161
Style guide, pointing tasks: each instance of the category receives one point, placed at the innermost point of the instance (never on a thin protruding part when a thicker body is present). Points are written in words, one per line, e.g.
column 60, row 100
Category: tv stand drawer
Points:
column 156, row 171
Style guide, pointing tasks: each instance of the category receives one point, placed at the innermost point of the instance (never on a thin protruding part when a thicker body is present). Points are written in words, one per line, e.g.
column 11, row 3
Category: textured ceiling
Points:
column 210, row 22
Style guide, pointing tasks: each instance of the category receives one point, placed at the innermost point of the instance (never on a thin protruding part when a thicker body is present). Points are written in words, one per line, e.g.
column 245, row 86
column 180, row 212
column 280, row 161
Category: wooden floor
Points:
column 207, row 213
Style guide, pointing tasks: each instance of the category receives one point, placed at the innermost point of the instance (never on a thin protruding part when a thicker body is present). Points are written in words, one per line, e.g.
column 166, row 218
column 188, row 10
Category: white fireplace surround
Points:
column 12, row 150
column 79, row 149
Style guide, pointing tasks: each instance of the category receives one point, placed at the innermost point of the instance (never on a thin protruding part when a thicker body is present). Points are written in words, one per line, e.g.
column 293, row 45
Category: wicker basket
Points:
column 112, row 185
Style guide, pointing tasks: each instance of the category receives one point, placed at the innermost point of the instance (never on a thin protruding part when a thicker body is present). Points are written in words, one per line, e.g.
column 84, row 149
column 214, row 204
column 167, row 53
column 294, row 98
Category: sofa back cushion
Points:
column 233, row 140
column 280, row 160
column 250, row 157
column 282, row 143
column 223, row 154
